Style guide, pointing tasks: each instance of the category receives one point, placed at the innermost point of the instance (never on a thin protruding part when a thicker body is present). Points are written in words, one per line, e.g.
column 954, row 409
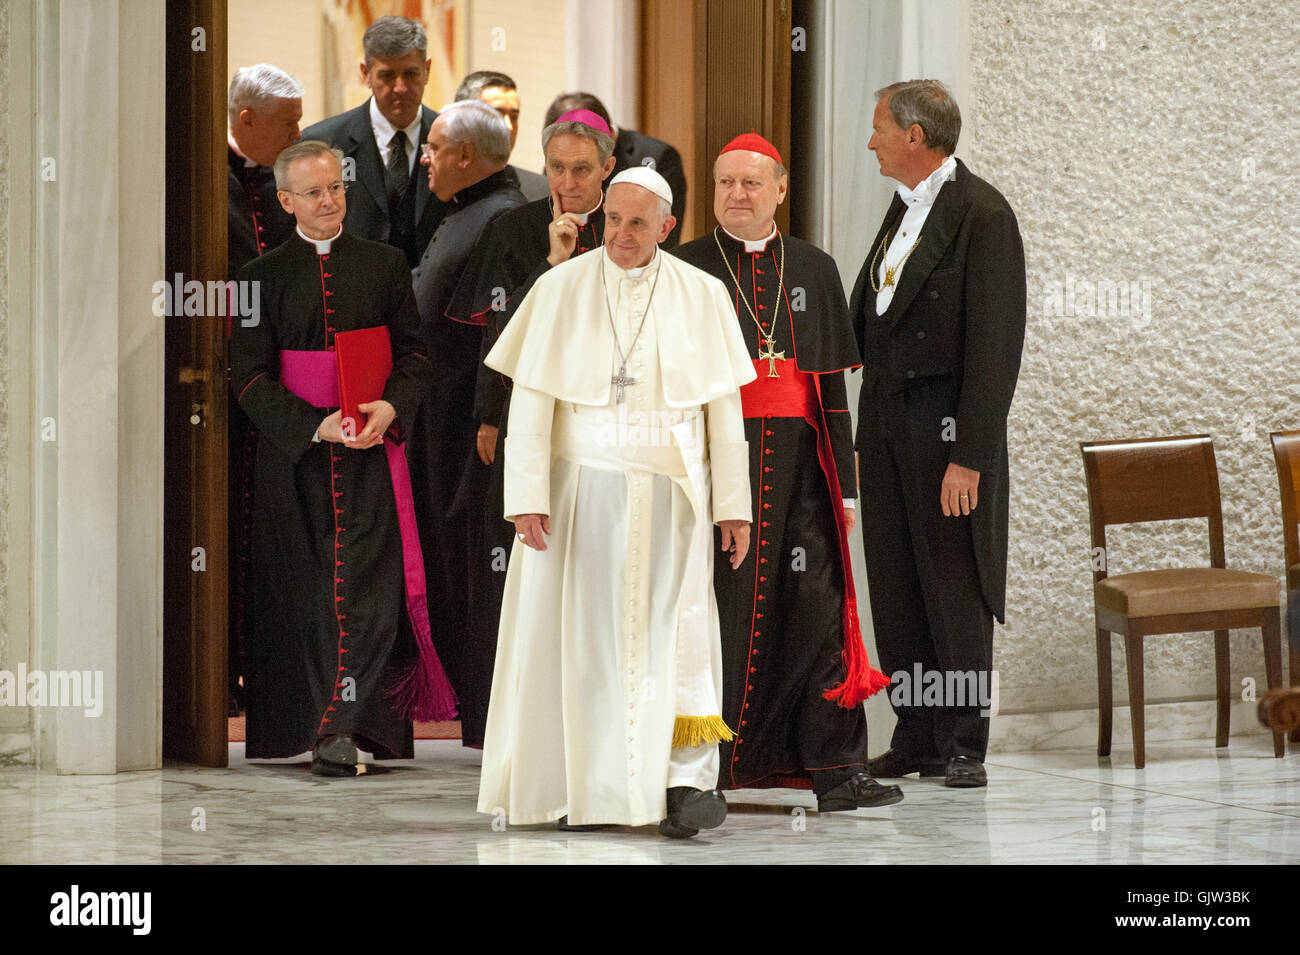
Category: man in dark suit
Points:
column 632, row 148
column 380, row 139
column 939, row 309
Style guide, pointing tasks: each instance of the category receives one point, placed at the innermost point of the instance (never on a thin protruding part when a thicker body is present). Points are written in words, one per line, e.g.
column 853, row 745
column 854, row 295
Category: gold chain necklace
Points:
column 890, row 273
column 771, row 355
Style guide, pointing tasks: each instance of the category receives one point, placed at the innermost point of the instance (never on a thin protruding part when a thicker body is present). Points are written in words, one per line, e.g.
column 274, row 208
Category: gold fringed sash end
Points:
column 697, row 730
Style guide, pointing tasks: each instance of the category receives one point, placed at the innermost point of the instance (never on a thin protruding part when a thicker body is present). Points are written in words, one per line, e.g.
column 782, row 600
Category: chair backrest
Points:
column 1286, row 452
column 1152, row 479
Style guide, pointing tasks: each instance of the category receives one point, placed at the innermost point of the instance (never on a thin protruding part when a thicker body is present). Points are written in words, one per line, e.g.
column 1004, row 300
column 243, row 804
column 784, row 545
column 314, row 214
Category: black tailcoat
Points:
column 448, row 480
column 327, row 558
column 632, row 148
column 369, row 216
column 939, row 372
column 508, row 259
column 781, row 611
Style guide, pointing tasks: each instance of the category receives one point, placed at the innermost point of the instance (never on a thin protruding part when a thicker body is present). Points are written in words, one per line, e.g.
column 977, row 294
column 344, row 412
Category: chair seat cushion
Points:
column 1154, row 593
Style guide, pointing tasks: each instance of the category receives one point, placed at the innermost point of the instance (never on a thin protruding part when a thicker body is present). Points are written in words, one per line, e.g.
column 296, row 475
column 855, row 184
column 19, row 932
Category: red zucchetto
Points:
column 754, row 143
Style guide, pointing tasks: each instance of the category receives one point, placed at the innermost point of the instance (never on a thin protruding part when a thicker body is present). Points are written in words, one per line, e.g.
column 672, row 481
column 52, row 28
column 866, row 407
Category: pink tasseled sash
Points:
column 424, row 692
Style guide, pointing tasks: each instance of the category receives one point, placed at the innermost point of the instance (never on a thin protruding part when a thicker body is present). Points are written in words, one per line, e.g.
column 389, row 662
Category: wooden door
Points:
column 709, row 71
column 197, row 394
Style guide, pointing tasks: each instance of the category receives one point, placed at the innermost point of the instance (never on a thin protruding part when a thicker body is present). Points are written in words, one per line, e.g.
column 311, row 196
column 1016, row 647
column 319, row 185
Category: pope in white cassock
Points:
column 625, row 444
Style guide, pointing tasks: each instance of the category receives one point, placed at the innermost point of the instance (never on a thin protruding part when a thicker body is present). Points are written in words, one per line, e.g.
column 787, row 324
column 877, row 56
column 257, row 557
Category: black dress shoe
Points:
column 858, row 792
column 690, row 810
column 965, row 772
column 334, row 756
column 340, row 748
column 564, row 825
column 895, row 765
column 323, row 767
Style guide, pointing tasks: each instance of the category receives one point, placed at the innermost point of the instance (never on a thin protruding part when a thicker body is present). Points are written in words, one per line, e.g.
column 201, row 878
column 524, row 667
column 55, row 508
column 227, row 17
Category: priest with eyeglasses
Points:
column 339, row 657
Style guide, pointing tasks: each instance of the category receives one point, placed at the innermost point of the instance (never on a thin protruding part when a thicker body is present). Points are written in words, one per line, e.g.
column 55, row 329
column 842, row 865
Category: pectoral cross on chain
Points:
column 771, row 355
column 621, row 381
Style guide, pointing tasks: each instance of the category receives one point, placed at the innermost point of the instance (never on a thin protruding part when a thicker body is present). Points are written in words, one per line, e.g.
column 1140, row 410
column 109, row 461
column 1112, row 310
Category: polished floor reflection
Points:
column 1192, row 804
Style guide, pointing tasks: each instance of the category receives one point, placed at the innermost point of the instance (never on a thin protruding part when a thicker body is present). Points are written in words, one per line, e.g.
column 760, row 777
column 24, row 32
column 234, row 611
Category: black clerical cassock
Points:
column 506, row 262
column 794, row 669
column 255, row 224
column 330, row 634
column 448, row 478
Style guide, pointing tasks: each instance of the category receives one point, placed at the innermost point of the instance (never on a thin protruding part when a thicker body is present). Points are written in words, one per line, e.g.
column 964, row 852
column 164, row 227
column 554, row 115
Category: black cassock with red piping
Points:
column 794, row 669
column 330, row 633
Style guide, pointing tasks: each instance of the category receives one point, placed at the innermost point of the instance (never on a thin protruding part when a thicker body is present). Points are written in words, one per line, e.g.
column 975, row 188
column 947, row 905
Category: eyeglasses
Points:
column 428, row 149
column 335, row 189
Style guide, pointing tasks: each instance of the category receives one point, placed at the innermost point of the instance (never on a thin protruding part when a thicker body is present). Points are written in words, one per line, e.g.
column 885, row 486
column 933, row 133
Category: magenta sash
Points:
column 424, row 692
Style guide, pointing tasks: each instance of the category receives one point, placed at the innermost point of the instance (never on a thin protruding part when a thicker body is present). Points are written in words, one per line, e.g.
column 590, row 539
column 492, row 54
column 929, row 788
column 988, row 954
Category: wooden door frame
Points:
column 195, row 583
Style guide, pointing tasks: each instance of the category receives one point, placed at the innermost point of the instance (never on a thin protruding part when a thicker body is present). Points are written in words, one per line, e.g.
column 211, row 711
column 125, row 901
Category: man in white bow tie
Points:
column 939, row 309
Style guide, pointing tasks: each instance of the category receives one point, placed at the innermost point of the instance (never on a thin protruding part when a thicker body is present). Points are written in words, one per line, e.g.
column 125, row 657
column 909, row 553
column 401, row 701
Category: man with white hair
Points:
column 465, row 156
column 625, row 445
column 263, row 109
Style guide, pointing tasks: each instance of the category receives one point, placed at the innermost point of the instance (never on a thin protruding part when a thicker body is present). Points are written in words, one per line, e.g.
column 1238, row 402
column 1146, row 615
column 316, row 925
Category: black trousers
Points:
column 926, row 604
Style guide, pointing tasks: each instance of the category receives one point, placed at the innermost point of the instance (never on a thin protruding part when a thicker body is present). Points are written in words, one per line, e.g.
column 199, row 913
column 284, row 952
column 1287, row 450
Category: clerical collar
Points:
column 583, row 216
column 928, row 188
column 384, row 131
column 322, row 245
column 641, row 271
column 757, row 245
column 234, row 147
column 477, row 190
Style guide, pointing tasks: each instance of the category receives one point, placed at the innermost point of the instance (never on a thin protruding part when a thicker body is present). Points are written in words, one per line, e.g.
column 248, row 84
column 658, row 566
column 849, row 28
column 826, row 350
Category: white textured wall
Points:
column 1153, row 146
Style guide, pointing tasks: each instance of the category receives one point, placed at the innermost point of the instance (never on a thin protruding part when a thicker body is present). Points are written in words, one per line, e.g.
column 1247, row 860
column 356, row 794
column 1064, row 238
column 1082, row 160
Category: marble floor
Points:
column 1192, row 804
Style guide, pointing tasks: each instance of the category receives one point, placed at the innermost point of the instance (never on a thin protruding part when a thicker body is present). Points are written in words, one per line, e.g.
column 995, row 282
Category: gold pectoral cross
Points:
column 889, row 277
column 771, row 355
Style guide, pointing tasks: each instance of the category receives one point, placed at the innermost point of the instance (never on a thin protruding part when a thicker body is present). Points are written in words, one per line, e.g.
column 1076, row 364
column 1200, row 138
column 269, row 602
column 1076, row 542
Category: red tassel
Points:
column 423, row 692
column 860, row 679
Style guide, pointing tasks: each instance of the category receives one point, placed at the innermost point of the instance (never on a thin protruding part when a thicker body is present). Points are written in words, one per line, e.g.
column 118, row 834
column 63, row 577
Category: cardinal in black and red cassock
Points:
column 332, row 634
column 795, row 671
column 517, row 248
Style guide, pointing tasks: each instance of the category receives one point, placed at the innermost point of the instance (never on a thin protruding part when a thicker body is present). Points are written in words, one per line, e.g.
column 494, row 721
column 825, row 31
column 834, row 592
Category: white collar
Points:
column 384, row 130
column 230, row 141
column 582, row 216
column 757, row 245
column 928, row 188
column 322, row 245
column 640, row 271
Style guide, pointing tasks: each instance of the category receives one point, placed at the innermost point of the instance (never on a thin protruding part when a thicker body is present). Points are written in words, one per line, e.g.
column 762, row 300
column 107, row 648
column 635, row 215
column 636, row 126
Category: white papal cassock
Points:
column 610, row 635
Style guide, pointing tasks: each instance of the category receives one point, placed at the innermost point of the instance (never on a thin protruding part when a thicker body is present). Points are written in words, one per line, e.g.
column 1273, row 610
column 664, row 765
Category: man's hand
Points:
column 563, row 233
column 331, row 429
column 850, row 519
column 735, row 538
column 960, row 492
column 529, row 528
column 379, row 416
column 487, row 443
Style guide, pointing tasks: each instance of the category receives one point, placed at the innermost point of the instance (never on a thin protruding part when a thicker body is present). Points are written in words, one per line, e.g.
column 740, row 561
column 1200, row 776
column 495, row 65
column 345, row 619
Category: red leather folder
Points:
column 365, row 361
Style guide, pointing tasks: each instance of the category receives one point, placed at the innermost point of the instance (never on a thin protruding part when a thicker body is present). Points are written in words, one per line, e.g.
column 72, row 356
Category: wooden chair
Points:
column 1286, row 452
column 1162, row 479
